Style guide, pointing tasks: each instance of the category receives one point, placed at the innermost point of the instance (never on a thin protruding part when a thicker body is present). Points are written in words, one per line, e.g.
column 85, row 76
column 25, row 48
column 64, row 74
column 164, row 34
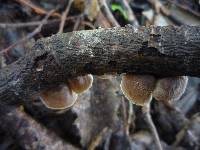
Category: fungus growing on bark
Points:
column 170, row 89
column 81, row 83
column 138, row 88
column 61, row 97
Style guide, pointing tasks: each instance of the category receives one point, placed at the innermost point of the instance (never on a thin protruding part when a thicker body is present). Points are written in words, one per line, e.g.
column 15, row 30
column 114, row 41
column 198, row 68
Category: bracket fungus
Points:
column 65, row 96
column 58, row 98
column 170, row 89
column 138, row 88
column 81, row 83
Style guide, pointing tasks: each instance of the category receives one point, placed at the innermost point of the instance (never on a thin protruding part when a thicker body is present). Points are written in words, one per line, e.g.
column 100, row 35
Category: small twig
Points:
column 23, row 24
column 64, row 16
column 30, row 35
column 37, row 9
column 87, row 23
column 130, row 116
column 158, row 6
column 77, row 23
column 124, row 113
column 146, row 111
column 131, row 17
column 94, row 143
column 81, row 21
column 106, row 11
column 179, row 136
column 102, row 21
column 185, row 8
column 33, row 23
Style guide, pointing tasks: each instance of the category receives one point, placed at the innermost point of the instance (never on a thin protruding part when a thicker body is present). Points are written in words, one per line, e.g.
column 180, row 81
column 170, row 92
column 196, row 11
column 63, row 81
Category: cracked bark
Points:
column 161, row 51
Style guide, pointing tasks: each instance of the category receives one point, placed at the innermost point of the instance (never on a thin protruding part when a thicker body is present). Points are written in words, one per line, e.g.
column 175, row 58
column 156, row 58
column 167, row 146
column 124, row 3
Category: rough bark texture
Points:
column 162, row 51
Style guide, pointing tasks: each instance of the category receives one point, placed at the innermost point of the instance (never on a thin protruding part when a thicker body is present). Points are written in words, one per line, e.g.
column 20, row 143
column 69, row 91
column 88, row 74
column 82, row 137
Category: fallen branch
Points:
column 161, row 51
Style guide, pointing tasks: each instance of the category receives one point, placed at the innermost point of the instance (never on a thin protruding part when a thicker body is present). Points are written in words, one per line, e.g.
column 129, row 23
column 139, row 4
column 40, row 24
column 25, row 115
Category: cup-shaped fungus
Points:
column 138, row 88
column 171, row 88
column 80, row 83
column 61, row 97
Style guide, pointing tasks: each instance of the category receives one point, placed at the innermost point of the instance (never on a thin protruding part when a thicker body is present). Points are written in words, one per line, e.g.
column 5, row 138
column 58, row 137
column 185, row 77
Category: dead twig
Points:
column 37, row 9
column 30, row 35
column 146, row 111
column 77, row 23
column 87, row 23
column 102, row 21
column 125, row 50
column 124, row 114
column 33, row 23
column 106, row 11
column 64, row 16
column 98, row 139
column 185, row 8
column 131, row 17
column 131, row 117
column 159, row 8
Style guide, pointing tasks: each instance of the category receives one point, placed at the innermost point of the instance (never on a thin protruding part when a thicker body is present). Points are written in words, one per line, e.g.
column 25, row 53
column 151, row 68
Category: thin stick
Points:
column 124, row 113
column 106, row 11
column 33, row 23
column 30, row 35
column 87, row 23
column 131, row 117
column 184, row 7
column 22, row 24
column 77, row 23
column 64, row 16
column 98, row 139
column 146, row 111
column 131, row 17
column 159, row 7
column 37, row 9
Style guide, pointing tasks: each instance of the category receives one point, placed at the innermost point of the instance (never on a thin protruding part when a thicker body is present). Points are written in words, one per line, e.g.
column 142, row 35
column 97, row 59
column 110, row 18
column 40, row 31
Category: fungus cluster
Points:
column 64, row 96
column 170, row 89
column 140, row 88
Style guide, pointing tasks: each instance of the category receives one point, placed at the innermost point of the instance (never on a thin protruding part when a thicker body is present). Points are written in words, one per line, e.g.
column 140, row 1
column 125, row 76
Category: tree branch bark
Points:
column 161, row 51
